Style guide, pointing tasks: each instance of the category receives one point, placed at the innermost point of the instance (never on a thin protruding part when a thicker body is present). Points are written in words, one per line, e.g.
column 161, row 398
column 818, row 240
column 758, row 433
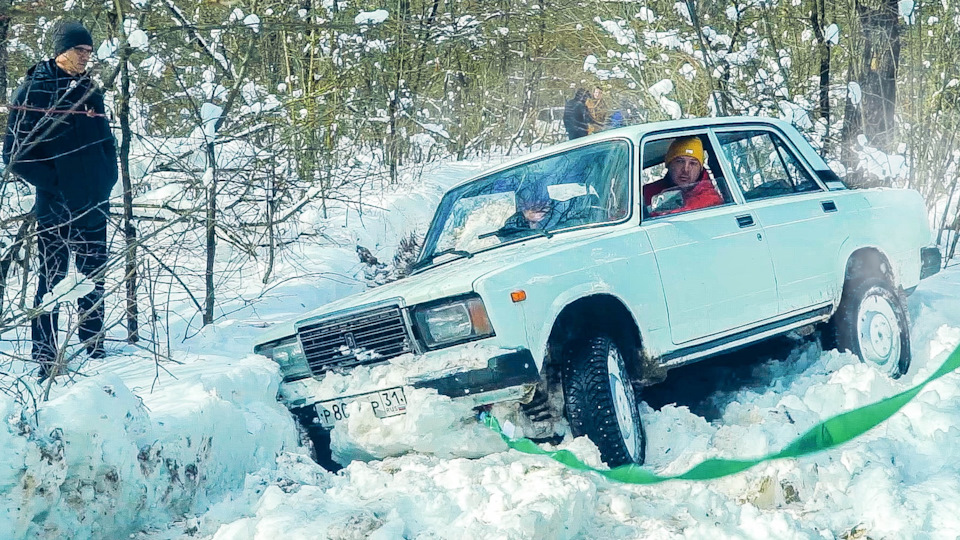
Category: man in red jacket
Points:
column 685, row 171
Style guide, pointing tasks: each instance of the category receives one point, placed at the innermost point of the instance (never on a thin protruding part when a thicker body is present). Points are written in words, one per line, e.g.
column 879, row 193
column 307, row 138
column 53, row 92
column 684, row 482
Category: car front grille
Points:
column 359, row 338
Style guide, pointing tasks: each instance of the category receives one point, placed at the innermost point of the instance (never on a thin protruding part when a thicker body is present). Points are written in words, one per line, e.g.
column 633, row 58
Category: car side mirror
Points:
column 666, row 201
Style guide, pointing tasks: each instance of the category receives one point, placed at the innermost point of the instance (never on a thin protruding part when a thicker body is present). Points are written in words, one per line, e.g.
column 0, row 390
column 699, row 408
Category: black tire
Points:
column 315, row 438
column 590, row 398
column 871, row 312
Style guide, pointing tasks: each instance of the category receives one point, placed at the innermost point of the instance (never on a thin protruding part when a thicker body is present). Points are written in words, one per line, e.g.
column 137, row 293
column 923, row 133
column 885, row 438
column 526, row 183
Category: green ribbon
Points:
column 827, row 434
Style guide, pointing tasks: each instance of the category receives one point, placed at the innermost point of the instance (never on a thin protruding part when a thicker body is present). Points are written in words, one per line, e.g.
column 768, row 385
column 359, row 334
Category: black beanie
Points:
column 68, row 36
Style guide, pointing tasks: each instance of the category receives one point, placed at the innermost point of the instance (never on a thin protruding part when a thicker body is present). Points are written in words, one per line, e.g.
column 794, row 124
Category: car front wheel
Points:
column 600, row 402
column 871, row 322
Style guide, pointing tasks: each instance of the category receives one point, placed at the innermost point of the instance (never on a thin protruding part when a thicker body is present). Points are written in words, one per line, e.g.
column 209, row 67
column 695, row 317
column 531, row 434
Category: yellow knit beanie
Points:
column 685, row 146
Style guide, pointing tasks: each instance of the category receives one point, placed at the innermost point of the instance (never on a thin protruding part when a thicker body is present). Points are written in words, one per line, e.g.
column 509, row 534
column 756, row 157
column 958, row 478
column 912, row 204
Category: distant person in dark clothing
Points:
column 58, row 139
column 576, row 117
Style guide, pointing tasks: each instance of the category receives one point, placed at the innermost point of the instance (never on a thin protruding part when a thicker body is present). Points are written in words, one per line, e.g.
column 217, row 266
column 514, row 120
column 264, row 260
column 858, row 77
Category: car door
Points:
column 801, row 219
column 714, row 263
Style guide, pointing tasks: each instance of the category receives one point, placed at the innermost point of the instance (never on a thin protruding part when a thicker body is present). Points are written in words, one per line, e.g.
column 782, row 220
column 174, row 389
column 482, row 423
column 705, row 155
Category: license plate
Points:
column 385, row 403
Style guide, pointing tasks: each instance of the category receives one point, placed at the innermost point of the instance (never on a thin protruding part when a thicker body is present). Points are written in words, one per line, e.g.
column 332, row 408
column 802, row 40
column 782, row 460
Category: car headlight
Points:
column 289, row 354
column 453, row 321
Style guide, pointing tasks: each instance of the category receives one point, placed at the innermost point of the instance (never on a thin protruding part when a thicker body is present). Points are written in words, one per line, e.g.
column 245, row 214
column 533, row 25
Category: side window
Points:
column 694, row 182
column 763, row 165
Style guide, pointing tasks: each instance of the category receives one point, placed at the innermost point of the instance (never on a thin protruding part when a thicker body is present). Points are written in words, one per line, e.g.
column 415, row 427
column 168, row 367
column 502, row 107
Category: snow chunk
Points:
column 590, row 63
column 108, row 48
column 624, row 36
column 371, row 17
column 436, row 128
column 662, row 88
column 433, row 425
column 209, row 114
column 153, row 65
column 796, row 115
column 907, row 10
column 138, row 40
column 646, row 14
column 253, row 22
column 70, row 289
column 832, row 34
column 681, row 9
column 855, row 93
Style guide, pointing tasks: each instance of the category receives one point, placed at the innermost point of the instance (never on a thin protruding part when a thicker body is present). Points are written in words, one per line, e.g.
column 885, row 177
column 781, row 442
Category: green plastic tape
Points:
column 827, row 434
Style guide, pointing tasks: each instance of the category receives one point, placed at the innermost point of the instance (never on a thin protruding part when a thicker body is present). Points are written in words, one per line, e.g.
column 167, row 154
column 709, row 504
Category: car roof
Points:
column 633, row 133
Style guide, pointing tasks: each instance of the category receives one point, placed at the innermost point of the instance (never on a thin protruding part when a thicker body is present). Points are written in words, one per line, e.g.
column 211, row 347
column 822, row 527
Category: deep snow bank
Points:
column 105, row 457
column 897, row 481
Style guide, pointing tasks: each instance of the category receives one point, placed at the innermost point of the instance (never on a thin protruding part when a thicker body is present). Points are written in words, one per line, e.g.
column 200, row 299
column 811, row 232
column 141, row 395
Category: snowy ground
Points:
column 198, row 447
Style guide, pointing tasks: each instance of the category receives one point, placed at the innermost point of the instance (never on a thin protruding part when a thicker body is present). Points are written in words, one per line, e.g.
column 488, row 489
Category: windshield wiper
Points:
column 507, row 231
column 427, row 261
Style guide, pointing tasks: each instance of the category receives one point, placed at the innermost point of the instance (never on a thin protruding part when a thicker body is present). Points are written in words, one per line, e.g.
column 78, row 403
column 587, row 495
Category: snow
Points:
column 209, row 115
column 659, row 92
column 138, row 40
column 108, row 48
column 832, row 34
column 906, row 8
column 371, row 17
column 252, row 21
column 73, row 287
column 197, row 445
column 590, row 63
column 854, row 91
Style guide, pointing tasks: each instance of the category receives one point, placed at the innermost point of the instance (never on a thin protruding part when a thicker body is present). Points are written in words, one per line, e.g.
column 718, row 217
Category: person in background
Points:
column 616, row 119
column 597, row 110
column 685, row 171
column 576, row 117
column 58, row 139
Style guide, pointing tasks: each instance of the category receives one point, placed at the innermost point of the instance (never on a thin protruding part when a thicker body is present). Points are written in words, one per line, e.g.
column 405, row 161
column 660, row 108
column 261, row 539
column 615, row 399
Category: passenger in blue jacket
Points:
column 58, row 139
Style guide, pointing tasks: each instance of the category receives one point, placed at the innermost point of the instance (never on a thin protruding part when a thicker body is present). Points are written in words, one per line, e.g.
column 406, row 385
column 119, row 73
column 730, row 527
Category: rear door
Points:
column 801, row 219
column 714, row 263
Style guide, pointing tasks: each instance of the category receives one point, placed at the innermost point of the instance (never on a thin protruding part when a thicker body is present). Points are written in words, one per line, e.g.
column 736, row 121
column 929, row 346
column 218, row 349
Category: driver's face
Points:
column 685, row 171
column 534, row 215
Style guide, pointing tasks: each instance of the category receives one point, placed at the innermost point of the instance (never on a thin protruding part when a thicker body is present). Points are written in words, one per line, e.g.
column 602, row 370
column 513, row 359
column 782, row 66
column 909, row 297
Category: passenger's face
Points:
column 685, row 171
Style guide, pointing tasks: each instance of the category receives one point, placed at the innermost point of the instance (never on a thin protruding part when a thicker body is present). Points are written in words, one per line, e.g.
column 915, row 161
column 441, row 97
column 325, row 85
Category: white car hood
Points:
column 442, row 280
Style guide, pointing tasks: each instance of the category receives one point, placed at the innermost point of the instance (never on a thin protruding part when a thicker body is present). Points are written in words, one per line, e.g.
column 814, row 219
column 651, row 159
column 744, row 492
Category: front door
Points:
column 716, row 271
column 714, row 262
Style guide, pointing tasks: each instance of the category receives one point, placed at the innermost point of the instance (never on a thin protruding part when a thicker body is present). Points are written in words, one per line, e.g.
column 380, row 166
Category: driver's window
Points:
column 691, row 183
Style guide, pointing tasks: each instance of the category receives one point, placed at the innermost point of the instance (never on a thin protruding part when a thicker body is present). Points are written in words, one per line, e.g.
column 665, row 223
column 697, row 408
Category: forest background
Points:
column 236, row 116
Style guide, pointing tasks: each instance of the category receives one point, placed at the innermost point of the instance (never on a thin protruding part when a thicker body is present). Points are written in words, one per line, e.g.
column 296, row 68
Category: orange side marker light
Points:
column 518, row 296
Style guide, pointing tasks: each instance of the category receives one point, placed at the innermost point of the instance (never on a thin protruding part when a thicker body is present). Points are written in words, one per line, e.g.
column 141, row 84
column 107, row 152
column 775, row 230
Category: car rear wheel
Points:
column 600, row 402
column 872, row 323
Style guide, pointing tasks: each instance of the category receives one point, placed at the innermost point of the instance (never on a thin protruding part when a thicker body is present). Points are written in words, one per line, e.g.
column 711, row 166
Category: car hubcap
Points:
column 879, row 333
column 622, row 404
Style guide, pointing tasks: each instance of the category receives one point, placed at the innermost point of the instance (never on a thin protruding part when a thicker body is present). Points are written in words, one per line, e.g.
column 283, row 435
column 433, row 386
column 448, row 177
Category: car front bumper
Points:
column 507, row 377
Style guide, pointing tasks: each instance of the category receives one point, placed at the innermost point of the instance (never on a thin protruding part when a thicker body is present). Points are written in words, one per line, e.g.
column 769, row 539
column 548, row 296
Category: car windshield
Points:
column 584, row 186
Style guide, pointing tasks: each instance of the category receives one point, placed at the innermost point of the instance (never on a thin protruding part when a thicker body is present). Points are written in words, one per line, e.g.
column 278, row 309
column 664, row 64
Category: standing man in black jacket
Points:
column 58, row 139
column 576, row 117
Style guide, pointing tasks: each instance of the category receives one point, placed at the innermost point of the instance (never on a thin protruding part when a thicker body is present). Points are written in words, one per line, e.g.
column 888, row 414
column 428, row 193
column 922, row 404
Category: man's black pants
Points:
column 89, row 244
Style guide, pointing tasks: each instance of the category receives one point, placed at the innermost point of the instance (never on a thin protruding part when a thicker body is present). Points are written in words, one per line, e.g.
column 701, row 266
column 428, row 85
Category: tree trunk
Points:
column 211, row 226
column 878, row 79
column 818, row 20
column 129, row 229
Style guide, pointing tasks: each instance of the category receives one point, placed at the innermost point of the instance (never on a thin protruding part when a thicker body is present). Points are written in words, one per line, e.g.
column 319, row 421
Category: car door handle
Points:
column 745, row 221
column 828, row 206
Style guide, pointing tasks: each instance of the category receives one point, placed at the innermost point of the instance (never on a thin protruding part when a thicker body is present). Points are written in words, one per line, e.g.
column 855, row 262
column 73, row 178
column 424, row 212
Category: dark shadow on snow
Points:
column 701, row 386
